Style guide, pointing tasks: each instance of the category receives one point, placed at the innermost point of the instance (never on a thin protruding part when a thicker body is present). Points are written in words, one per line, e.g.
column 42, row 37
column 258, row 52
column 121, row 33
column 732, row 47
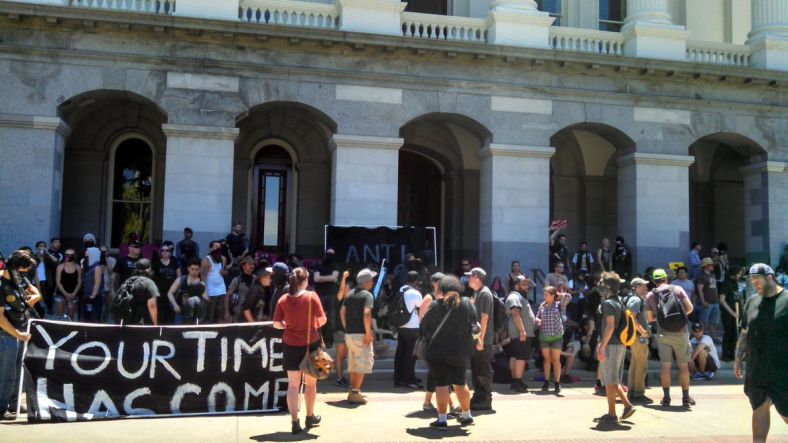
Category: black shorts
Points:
column 444, row 374
column 292, row 355
column 759, row 394
column 520, row 350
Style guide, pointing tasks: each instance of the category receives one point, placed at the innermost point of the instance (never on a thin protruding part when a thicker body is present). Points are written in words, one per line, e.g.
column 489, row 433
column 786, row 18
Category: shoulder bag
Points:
column 420, row 350
column 317, row 363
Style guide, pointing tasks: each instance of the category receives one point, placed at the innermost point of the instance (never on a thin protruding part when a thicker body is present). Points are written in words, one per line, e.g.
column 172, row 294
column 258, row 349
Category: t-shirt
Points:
column 236, row 244
column 190, row 289
column 293, row 310
column 240, row 285
column 165, row 275
column 516, row 300
column 652, row 303
column 483, row 302
column 14, row 307
column 413, row 300
column 637, row 307
column 709, row 283
column 326, row 290
column 687, row 285
column 124, row 267
column 144, row 289
column 355, row 303
column 255, row 301
column 453, row 344
column 557, row 281
column 615, row 308
column 709, row 344
column 766, row 321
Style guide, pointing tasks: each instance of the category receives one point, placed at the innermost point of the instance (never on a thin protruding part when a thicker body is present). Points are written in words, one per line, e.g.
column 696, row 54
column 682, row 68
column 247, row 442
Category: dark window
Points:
column 553, row 7
column 272, row 174
column 612, row 14
column 427, row 6
column 132, row 182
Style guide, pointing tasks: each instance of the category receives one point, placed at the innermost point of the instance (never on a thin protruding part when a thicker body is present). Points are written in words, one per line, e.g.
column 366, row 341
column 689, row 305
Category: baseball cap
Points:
column 134, row 244
column 438, row 276
column 697, row 327
column 517, row 279
column 478, row 272
column 280, row 268
column 761, row 269
column 637, row 281
column 262, row 272
column 365, row 275
column 89, row 237
column 659, row 274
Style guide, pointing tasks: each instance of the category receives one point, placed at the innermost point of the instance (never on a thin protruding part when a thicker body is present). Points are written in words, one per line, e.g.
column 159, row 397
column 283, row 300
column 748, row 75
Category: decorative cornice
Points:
column 364, row 142
column 204, row 132
column 768, row 166
column 502, row 150
column 647, row 158
column 35, row 122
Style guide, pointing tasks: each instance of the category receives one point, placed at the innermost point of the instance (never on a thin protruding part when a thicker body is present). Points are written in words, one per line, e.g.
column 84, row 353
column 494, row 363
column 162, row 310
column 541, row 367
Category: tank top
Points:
column 69, row 280
column 214, row 280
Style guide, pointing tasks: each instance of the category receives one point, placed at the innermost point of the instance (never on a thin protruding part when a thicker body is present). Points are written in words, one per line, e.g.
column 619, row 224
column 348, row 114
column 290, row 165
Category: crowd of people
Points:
column 454, row 322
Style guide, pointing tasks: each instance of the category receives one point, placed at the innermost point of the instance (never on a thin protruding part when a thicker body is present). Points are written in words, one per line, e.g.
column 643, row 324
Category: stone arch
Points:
column 99, row 120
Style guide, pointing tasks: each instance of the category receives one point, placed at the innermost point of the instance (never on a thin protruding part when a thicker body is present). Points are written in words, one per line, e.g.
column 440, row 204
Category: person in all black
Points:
column 45, row 274
column 187, row 249
column 326, row 285
column 238, row 290
column 622, row 259
column 449, row 347
column 237, row 243
column 731, row 302
column 253, row 307
column 278, row 286
column 125, row 266
column 559, row 253
column 145, row 293
column 19, row 295
column 165, row 272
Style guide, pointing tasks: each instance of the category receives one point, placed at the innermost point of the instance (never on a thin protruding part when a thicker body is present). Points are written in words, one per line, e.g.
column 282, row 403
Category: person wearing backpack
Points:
column 669, row 306
column 187, row 294
column 407, row 334
column 135, row 302
column 611, row 351
column 638, row 363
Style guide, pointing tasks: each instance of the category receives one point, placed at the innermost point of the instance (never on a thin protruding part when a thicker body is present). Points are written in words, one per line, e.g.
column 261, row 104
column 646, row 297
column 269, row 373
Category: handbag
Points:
column 420, row 349
column 317, row 363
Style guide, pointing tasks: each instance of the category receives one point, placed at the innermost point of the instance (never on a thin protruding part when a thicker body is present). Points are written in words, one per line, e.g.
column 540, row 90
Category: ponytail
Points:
column 451, row 299
column 296, row 278
column 451, row 288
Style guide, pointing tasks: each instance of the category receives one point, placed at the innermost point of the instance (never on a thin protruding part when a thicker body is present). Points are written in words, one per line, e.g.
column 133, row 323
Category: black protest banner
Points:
column 78, row 371
column 360, row 245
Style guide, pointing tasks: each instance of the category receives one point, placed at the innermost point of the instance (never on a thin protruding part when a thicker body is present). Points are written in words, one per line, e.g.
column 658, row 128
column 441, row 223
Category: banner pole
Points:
column 21, row 376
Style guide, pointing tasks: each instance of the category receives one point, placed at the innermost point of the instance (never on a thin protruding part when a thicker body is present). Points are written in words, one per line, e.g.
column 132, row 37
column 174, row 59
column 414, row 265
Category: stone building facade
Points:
column 287, row 116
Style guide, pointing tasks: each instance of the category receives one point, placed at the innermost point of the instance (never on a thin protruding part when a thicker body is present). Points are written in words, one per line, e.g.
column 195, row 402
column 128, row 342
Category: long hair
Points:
column 21, row 258
column 298, row 276
column 451, row 288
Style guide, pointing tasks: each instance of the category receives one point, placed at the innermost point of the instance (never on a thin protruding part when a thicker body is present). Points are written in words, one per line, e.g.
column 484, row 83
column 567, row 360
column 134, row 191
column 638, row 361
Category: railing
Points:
column 289, row 13
column 444, row 27
column 718, row 53
column 165, row 7
column 586, row 40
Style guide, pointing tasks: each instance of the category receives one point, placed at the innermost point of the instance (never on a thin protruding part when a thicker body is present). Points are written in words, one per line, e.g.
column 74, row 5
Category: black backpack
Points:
column 123, row 304
column 670, row 311
column 499, row 314
column 398, row 311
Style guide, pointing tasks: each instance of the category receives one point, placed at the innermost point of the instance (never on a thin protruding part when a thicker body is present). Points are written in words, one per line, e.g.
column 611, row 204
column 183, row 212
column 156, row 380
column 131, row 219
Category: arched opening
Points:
column 439, row 181
column 584, row 182
column 720, row 192
column 113, row 173
column 284, row 145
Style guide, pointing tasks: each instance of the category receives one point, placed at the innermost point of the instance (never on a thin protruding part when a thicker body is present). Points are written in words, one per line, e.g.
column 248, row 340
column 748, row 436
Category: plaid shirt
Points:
column 552, row 321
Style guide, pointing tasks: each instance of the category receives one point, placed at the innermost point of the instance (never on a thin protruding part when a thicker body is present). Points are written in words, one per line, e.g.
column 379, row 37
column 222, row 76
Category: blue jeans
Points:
column 710, row 315
column 10, row 349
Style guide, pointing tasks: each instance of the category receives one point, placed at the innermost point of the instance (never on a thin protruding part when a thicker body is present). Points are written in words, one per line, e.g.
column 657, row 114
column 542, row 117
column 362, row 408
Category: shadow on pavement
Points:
column 342, row 404
column 610, row 427
column 436, row 434
column 284, row 436
column 659, row 407
column 421, row 414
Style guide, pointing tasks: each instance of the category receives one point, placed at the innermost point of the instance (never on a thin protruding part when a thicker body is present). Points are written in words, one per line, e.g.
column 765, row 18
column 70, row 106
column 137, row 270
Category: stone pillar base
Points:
column 655, row 40
column 524, row 28
column 371, row 16
column 769, row 52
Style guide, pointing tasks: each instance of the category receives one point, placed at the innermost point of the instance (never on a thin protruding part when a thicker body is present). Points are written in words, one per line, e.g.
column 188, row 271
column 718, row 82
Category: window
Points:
column 553, row 7
column 273, row 181
column 612, row 14
column 132, row 183
column 427, row 6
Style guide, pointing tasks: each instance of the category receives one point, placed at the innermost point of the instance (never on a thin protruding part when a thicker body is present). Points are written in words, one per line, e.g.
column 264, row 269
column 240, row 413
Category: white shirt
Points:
column 41, row 270
column 709, row 343
column 413, row 300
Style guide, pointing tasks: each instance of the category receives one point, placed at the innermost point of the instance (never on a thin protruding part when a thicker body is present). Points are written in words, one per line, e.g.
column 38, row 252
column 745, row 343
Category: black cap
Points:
column 134, row 244
column 697, row 327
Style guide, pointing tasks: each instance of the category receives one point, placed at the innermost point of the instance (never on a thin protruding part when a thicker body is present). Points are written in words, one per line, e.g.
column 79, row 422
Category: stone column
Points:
column 765, row 210
column 650, row 33
column 518, row 23
column 371, row 16
column 198, row 183
column 210, row 9
column 653, row 207
column 514, row 210
column 769, row 37
column 31, row 178
column 364, row 180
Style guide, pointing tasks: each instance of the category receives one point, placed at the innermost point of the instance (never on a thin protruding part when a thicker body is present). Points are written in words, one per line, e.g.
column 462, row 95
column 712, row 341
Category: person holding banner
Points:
column 292, row 315
column 18, row 296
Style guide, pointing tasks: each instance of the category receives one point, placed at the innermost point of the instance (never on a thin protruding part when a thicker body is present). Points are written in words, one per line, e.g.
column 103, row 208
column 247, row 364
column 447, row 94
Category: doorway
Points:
column 272, row 178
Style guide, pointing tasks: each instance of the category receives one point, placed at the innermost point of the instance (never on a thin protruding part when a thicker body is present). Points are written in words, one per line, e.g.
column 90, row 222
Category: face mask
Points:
column 69, row 258
column 217, row 254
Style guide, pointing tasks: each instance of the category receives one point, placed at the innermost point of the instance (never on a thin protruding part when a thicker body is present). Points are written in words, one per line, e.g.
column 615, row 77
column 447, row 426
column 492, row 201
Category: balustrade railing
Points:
column 165, row 7
column 586, row 40
column 444, row 27
column 714, row 53
column 289, row 13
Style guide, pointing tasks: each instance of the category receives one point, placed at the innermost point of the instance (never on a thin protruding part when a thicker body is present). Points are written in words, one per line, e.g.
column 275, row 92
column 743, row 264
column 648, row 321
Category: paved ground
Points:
column 721, row 415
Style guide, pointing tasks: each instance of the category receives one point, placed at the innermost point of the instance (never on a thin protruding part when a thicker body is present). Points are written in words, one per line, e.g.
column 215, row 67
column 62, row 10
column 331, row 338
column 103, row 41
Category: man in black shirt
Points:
column 253, row 307
column 238, row 290
column 145, row 294
column 326, row 286
column 763, row 344
column 18, row 295
column 125, row 266
column 237, row 243
column 187, row 248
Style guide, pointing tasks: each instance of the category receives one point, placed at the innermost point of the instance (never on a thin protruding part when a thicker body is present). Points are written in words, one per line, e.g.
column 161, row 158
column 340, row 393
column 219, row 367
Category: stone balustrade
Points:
column 714, row 53
column 289, row 13
column 165, row 7
column 586, row 40
column 442, row 27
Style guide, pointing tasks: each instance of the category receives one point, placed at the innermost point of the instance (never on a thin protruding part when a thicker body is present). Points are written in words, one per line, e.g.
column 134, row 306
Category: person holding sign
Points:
column 18, row 296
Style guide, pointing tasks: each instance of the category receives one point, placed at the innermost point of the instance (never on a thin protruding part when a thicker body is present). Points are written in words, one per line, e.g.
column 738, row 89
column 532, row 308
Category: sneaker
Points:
column 688, row 401
column 557, row 388
column 455, row 413
column 709, row 375
column 428, row 407
column 607, row 419
column 414, row 386
column 515, row 386
column 313, row 421
column 628, row 412
column 697, row 376
column 355, row 398
column 546, row 386
column 439, row 425
column 341, row 382
column 7, row 416
column 665, row 401
column 296, row 428
column 600, row 390
column 465, row 421
column 523, row 385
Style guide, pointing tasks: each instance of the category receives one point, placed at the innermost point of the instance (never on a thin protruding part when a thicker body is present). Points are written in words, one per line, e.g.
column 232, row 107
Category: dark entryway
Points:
column 420, row 191
column 428, row 6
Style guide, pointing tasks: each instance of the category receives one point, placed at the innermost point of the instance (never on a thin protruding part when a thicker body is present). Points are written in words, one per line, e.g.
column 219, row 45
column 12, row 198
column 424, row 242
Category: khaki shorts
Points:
column 360, row 358
column 674, row 344
column 611, row 371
